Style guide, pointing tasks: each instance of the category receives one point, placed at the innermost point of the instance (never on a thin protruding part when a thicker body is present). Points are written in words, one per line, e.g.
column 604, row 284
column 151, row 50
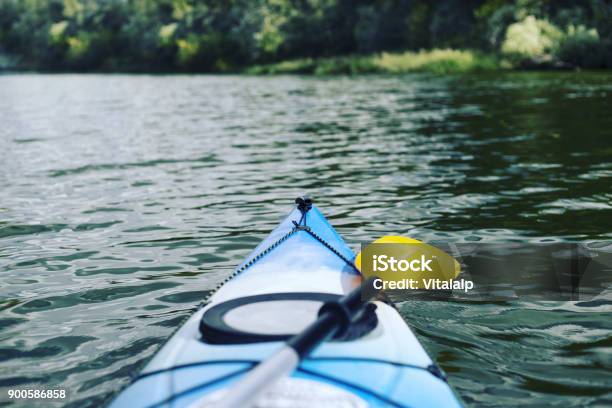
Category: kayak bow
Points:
column 273, row 295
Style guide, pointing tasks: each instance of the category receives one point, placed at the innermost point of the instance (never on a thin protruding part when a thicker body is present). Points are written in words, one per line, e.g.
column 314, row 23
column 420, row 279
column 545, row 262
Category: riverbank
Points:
column 437, row 61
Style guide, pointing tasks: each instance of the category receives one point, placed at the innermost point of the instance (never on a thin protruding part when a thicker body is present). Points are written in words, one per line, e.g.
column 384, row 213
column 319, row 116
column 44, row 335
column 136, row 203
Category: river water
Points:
column 125, row 199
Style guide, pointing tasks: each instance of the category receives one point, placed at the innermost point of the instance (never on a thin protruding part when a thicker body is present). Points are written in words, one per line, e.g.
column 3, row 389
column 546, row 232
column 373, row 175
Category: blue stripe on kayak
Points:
column 253, row 362
column 218, row 380
column 320, row 226
column 398, row 380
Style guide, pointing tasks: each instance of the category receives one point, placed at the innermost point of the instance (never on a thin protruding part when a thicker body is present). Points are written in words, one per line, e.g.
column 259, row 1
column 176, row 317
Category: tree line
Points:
column 228, row 35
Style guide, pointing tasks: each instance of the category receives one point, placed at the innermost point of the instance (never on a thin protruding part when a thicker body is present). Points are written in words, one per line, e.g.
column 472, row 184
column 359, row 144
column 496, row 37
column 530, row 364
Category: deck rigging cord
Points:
column 304, row 204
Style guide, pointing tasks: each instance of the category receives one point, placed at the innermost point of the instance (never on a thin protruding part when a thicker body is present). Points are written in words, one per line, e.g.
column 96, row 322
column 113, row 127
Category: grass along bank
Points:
column 437, row 61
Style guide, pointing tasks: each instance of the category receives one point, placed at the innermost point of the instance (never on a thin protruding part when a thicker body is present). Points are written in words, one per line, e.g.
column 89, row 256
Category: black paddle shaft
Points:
column 334, row 318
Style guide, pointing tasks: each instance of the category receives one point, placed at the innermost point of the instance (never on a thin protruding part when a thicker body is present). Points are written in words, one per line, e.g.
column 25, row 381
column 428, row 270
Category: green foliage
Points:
column 581, row 47
column 56, row 32
column 418, row 25
column 493, row 18
column 316, row 36
column 530, row 40
column 166, row 34
column 270, row 36
column 188, row 49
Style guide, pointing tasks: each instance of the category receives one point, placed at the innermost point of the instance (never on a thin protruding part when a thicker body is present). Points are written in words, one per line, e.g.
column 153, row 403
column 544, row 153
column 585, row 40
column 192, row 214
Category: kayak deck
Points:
column 386, row 367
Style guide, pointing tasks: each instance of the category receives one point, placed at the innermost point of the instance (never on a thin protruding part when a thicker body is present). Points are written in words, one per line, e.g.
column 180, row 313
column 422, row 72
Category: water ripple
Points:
column 124, row 200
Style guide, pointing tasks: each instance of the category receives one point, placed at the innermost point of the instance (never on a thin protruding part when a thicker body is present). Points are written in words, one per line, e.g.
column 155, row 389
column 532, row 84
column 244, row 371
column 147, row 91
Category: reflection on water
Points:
column 124, row 199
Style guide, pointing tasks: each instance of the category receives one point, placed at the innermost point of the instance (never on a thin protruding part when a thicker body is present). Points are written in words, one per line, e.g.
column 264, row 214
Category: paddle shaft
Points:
column 333, row 318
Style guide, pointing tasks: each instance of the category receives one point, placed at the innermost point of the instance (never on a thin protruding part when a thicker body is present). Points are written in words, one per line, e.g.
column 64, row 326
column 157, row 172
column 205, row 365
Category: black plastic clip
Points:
column 304, row 204
column 299, row 227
